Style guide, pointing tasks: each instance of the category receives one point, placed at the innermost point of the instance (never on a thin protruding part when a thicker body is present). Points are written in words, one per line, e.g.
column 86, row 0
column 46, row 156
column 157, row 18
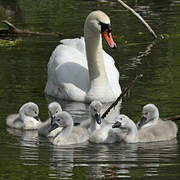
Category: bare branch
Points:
column 139, row 17
column 174, row 118
column 13, row 31
column 121, row 95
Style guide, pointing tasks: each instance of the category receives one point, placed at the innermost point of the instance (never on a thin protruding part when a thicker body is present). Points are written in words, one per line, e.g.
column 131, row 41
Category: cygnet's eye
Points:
column 56, row 111
column 35, row 112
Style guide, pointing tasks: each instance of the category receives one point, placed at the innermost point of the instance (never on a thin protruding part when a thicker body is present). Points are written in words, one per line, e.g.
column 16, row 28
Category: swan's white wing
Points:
column 68, row 75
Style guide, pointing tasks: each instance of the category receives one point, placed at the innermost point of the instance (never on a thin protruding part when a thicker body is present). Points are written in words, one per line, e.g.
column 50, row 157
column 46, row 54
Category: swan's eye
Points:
column 57, row 111
column 105, row 27
column 35, row 112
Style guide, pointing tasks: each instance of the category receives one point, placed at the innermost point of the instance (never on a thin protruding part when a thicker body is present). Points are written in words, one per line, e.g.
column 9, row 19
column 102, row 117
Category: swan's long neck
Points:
column 99, row 84
column 95, row 58
column 132, row 135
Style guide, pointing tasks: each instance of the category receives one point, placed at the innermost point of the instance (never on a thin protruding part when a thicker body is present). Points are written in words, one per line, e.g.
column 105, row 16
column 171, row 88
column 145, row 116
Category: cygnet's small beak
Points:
column 108, row 37
column 141, row 122
column 98, row 118
column 117, row 124
column 37, row 118
column 53, row 126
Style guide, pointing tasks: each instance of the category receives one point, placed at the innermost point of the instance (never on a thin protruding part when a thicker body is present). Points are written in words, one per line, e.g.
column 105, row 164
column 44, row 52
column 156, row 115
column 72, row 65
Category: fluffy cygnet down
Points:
column 27, row 118
column 68, row 134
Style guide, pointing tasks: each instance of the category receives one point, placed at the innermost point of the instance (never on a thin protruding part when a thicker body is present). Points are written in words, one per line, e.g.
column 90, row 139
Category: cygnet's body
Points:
column 157, row 129
column 69, row 134
column 53, row 108
column 100, row 131
column 95, row 120
column 26, row 119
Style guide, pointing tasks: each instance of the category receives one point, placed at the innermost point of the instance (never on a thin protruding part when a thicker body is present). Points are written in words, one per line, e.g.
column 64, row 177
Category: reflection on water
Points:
column 93, row 161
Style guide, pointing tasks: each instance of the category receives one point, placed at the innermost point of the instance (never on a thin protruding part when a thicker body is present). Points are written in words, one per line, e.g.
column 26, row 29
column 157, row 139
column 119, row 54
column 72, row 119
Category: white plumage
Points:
column 80, row 70
column 27, row 118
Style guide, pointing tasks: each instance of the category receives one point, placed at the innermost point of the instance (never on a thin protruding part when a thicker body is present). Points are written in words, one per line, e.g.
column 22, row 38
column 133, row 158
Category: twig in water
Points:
column 174, row 118
column 12, row 30
column 139, row 17
column 120, row 97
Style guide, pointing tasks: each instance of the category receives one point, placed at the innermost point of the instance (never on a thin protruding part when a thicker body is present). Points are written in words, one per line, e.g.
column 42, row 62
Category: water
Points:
column 24, row 155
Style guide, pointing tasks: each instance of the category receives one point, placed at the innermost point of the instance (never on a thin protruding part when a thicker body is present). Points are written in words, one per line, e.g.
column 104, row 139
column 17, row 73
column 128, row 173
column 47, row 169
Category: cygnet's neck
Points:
column 22, row 116
column 64, row 133
column 153, row 121
column 93, row 124
column 132, row 135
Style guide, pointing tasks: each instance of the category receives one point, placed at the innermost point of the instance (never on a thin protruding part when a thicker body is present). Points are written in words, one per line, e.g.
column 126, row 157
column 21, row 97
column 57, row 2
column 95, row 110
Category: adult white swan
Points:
column 80, row 70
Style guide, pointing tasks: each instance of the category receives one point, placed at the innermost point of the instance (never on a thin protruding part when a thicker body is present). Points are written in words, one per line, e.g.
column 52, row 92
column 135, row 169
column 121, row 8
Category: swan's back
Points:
column 14, row 121
column 104, row 135
column 69, row 134
column 78, row 135
column 162, row 131
column 68, row 75
column 27, row 118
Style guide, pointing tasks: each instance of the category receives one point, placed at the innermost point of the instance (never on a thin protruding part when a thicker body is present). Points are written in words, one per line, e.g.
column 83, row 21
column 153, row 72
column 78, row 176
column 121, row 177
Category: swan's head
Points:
column 150, row 113
column 54, row 108
column 122, row 122
column 30, row 109
column 62, row 119
column 94, row 110
column 98, row 22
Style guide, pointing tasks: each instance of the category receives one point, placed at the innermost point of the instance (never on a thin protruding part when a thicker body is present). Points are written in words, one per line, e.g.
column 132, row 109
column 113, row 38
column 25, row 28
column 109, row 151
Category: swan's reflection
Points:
column 28, row 142
column 154, row 155
column 78, row 110
column 61, row 160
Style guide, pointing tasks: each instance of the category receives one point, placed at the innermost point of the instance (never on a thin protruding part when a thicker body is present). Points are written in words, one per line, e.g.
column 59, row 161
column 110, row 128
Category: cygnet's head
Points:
column 94, row 110
column 61, row 119
column 150, row 113
column 54, row 108
column 122, row 122
column 29, row 109
column 98, row 22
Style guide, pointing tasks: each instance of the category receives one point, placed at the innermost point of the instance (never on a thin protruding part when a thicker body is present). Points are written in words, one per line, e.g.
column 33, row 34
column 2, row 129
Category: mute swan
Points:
column 80, row 70
column 53, row 108
column 27, row 118
column 69, row 134
column 160, row 132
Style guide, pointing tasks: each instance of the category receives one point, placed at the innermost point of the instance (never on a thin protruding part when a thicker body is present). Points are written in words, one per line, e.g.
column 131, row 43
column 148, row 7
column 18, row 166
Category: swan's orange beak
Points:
column 108, row 37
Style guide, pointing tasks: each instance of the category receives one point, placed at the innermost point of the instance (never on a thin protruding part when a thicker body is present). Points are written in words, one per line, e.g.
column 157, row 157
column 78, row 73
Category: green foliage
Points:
column 8, row 43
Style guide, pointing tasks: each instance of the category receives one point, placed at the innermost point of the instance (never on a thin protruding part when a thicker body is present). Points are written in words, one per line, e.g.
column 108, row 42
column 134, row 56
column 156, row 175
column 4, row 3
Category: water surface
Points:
column 24, row 155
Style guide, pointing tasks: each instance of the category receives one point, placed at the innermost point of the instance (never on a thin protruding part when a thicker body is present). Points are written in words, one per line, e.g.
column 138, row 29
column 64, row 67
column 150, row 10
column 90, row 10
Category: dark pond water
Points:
column 24, row 155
